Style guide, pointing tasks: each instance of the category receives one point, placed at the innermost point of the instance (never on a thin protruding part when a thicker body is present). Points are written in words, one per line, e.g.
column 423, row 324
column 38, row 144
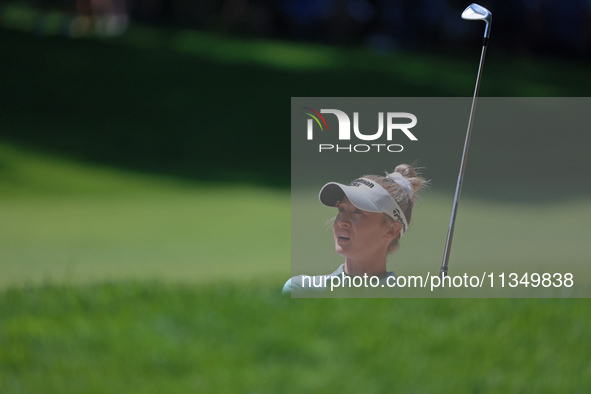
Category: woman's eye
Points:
column 358, row 211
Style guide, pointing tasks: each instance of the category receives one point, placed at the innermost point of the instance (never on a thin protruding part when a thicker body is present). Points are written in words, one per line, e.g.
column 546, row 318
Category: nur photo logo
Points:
column 390, row 125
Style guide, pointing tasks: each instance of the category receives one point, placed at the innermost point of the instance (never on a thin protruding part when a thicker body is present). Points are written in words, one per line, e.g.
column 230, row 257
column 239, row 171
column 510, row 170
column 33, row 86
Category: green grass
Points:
column 67, row 222
column 113, row 281
column 202, row 106
column 63, row 221
column 163, row 299
column 153, row 338
column 135, row 258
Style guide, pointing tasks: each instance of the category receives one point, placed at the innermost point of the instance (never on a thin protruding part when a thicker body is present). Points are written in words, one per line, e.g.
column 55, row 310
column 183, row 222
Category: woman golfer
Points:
column 374, row 212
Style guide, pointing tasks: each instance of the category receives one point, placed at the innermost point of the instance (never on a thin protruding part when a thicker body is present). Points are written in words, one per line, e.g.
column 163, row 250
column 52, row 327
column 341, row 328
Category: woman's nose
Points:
column 343, row 221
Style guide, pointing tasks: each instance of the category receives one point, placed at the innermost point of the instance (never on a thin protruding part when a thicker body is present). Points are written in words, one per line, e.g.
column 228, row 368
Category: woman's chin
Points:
column 339, row 250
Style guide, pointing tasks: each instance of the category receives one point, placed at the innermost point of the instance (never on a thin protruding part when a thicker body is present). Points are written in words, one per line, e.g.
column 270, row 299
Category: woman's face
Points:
column 360, row 234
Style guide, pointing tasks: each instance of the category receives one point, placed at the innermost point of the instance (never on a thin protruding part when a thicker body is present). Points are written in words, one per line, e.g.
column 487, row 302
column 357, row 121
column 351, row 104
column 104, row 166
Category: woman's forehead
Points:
column 344, row 201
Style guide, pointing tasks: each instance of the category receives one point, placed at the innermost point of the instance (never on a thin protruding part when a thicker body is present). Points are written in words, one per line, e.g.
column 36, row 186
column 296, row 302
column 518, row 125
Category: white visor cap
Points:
column 366, row 195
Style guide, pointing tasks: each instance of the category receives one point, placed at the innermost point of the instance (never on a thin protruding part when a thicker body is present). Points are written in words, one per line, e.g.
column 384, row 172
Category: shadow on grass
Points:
column 212, row 109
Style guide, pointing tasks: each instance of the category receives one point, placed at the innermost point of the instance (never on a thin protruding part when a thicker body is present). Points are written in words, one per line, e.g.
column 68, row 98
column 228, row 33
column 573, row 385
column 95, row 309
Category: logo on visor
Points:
column 358, row 182
column 396, row 213
column 390, row 125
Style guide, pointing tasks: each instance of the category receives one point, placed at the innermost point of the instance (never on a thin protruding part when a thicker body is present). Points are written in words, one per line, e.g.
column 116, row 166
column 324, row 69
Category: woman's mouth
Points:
column 342, row 239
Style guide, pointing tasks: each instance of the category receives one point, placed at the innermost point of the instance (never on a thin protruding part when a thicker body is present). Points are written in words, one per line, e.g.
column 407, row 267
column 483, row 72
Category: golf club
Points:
column 473, row 12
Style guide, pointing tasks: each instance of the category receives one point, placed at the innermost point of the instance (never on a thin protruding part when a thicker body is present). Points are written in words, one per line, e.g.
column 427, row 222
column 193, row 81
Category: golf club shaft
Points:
column 452, row 223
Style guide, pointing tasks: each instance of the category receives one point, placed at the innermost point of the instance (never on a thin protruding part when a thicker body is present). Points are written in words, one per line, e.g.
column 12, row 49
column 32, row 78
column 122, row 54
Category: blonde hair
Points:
column 400, row 194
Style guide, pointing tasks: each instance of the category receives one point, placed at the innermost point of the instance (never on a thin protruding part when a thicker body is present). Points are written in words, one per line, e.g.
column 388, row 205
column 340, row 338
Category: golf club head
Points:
column 475, row 12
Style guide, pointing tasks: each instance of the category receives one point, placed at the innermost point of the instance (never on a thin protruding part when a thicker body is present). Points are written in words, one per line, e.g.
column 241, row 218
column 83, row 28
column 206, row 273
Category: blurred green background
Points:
column 138, row 256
